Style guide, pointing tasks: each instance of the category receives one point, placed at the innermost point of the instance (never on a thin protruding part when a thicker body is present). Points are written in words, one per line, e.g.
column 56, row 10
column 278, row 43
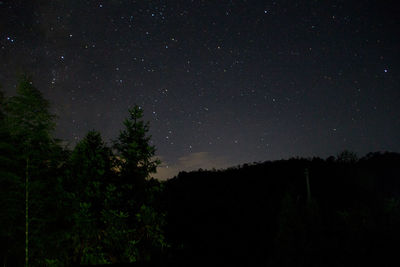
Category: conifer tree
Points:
column 11, row 198
column 31, row 124
column 88, row 174
column 135, row 163
column 135, row 155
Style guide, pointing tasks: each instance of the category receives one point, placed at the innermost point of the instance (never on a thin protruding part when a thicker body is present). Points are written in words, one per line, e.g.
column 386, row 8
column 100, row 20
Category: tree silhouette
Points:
column 347, row 156
column 135, row 163
column 30, row 124
column 88, row 173
column 135, row 155
column 11, row 197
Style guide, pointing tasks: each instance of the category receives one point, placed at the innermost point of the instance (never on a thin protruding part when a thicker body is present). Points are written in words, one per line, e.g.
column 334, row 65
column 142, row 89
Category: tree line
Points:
column 97, row 203
column 339, row 211
column 93, row 204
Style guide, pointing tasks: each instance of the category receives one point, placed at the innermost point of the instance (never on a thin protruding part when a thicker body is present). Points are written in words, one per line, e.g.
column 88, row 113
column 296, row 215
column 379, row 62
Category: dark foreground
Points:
column 266, row 215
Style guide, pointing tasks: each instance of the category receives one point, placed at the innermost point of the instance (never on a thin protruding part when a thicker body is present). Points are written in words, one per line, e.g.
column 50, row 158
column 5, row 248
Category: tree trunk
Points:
column 308, row 186
column 26, row 213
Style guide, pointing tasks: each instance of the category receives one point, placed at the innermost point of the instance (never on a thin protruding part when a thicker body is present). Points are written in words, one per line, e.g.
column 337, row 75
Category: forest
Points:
column 97, row 204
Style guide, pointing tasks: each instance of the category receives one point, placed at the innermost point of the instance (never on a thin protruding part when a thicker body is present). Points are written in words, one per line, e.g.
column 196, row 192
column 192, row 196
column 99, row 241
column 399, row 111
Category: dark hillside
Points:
column 259, row 214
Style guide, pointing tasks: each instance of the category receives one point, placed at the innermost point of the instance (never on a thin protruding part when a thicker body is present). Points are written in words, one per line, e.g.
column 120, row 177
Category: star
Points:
column 232, row 75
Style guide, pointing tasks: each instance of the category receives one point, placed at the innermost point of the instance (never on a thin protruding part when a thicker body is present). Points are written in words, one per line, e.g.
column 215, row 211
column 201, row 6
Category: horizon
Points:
column 221, row 83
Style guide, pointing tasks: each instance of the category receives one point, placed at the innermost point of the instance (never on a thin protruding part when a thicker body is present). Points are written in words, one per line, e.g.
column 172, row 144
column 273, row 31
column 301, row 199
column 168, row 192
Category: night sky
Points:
column 221, row 82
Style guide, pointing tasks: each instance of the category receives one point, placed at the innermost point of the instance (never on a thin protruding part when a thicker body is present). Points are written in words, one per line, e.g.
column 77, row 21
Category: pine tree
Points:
column 135, row 155
column 11, row 198
column 88, row 174
column 31, row 124
column 135, row 163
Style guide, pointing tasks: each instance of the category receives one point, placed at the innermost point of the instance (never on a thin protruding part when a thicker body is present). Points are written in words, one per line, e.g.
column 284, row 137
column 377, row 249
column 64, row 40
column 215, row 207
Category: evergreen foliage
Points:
column 97, row 204
column 30, row 125
column 89, row 168
column 135, row 163
column 11, row 197
column 85, row 206
column 135, row 155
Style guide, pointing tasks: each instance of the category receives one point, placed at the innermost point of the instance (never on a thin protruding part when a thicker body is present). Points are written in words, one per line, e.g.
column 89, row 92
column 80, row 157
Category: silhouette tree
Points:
column 11, row 197
column 88, row 173
column 135, row 155
column 347, row 156
column 135, row 163
column 30, row 124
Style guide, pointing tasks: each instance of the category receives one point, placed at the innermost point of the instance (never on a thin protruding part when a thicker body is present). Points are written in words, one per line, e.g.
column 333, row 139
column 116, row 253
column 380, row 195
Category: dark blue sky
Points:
column 221, row 82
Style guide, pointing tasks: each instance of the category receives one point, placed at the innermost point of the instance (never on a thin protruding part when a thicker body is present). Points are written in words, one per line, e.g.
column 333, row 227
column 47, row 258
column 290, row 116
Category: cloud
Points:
column 191, row 162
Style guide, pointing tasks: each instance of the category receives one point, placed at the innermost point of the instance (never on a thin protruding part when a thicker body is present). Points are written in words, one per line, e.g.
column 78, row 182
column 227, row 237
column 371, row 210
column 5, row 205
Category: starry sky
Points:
column 221, row 82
